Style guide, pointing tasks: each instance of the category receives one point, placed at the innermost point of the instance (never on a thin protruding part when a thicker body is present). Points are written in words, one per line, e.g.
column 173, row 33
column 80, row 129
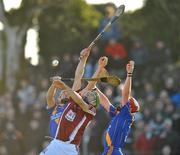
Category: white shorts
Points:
column 57, row 147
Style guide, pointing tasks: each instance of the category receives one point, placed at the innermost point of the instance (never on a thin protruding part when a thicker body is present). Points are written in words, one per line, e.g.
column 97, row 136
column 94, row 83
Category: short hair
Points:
column 111, row 5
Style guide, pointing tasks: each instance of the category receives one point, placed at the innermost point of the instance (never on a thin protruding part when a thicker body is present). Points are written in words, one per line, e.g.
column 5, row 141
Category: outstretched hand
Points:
column 130, row 67
column 85, row 53
column 57, row 82
column 103, row 61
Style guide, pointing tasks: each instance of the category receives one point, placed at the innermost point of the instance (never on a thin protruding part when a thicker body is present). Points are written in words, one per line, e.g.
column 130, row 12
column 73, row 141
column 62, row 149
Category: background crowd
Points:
column 24, row 119
column 156, row 85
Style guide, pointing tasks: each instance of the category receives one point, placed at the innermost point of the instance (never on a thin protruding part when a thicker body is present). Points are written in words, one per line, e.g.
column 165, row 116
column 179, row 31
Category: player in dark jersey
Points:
column 122, row 116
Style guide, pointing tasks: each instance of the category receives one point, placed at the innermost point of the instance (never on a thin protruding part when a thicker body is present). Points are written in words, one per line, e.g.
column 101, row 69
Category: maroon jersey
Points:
column 73, row 122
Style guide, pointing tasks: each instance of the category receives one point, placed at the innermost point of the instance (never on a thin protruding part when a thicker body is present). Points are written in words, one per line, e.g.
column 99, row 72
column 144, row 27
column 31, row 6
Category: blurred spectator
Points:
column 146, row 114
column 26, row 93
column 12, row 138
column 66, row 65
column 149, row 92
column 116, row 52
column 161, row 54
column 176, row 99
column 89, row 69
column 168, row 142
column 41, row 97
column 159, row 106
column 24, row 121
column 156, row 124
column 21, row 113
column 164, row 97
column 170, row 86
column 140, row 54
column 169, row 110
column 113, row 31
column 172, row 90
column 95, row 54
column 176, row 122
column 145, row 142
column 2, row 108
column 34, row 136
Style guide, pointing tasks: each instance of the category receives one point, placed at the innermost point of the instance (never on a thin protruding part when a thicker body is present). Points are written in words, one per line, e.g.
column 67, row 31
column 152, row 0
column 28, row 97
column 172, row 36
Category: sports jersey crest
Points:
column 70, row 116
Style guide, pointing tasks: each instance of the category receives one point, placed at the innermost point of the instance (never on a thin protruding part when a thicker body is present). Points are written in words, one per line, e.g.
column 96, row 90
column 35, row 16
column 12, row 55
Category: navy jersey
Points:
column 55, row 114
column 118, row 128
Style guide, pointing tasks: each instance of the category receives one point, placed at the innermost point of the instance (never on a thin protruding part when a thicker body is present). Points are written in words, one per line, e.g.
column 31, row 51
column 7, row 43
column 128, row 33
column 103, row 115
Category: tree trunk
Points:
column 1, row 57
column 14, row 40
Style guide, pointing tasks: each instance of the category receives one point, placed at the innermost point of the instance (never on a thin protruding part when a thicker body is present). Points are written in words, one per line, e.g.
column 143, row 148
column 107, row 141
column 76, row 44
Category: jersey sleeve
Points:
column 50, row 110
column 126, row 108
column 112, row 111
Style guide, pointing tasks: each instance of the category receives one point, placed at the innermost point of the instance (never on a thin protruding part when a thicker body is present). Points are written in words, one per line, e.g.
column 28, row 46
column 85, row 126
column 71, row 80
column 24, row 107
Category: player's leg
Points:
column 51, row 149
column 117, row 152
column 57, row 146
column 108, row 151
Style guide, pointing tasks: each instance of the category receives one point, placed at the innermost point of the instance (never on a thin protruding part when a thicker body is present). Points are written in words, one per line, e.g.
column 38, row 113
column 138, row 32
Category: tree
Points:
column 66, row 27
column 162, row 18
column 59, row 22
column 1, row 58
column 16, row 23
column 158, row 19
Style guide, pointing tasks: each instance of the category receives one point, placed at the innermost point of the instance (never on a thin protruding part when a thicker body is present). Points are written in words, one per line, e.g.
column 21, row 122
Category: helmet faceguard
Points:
column 91, row 97
column 63, row 97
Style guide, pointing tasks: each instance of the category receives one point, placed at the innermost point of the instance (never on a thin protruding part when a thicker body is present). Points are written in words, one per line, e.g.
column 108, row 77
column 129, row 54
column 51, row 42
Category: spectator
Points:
column 169, row 139
column 172, row 91
column 140, row 54
column 26, row 93
column 34, row 136
column 149, row 92
column 23, row 122
column 157, row 123
column 161, row 54
column 113, row 31
column 41, row 97
column 116, row 53
column 12, row 138
column 145, row 142
column 66, row 65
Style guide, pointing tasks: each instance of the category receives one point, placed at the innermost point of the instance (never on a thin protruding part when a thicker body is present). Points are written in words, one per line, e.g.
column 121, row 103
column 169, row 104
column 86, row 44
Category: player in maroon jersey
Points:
column 76, row 116
column 56, row 107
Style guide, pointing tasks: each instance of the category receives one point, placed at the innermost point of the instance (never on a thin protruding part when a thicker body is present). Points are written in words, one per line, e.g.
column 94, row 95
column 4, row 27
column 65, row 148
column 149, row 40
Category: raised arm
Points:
column 52, row 91
column 104, row 101
column 80, row 69
column 126, row 91
column 75, row 96
column 100, row 70
column 50, row 96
